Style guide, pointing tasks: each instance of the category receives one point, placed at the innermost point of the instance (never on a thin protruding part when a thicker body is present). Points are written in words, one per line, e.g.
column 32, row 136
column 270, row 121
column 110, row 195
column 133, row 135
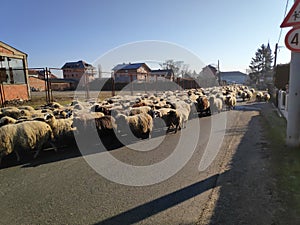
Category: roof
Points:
column 2, row 43
column 39, row 73
column 129, row 66
column 163, row 71
column 232, row 73
column 60, row 80
column 78, row 65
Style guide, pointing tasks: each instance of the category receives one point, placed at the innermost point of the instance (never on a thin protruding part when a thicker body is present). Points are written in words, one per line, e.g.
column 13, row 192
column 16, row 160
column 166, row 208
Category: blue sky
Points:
column 54, row 32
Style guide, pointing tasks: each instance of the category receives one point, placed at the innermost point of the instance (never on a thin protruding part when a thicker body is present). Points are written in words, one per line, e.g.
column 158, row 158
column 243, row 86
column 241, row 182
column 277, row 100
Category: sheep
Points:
column 54, row 105
column 230, row 101
column 87, row 124
column 7, row 120
column 61, row 127
column 203, row 106
column 139, row 110
column 105, row 125
column 161, row 119
column 216, row 104
column 139, row 104
column 100, row 108
column 13, row 112
column 259, row 96
column 140, row 125
column 266, row 97
column 184, row 116
column 174, row 119
column 27, row 107
column 27, row 136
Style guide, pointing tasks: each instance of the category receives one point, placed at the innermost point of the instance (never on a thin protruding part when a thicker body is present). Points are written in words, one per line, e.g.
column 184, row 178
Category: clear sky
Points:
column 53, row 32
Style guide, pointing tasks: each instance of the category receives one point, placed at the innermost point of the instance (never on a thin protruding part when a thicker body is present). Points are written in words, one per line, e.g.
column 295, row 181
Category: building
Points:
column 13, row 74
column 161, row 75
column 76, row 70
column 125, row 73
column 37, row 82
column 209, row 70
column 233, row 77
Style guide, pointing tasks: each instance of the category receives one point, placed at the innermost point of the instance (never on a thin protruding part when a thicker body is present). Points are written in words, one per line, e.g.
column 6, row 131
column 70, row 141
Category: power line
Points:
column 285, row 11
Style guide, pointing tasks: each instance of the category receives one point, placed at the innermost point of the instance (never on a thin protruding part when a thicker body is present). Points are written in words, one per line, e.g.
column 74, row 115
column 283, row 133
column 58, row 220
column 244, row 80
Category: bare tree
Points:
column 178, row 67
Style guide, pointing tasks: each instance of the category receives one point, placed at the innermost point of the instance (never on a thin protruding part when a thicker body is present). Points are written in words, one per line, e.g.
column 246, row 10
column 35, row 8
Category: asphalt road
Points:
column 62, row 188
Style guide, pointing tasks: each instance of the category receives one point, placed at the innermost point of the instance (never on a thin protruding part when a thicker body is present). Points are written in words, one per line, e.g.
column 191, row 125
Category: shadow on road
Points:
column 245, row 191
column 158, row 205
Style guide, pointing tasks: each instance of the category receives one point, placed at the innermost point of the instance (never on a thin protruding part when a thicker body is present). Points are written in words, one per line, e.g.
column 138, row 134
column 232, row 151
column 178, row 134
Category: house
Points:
column 161, row 75
column 76, row 70
column 37, row 82
column 125, row 73
column 209, row 70
column 233, row 77
column 13, row 74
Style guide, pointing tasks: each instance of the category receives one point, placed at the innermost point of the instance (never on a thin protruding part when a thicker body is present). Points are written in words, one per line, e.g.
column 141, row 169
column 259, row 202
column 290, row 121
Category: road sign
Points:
column 293, row 17
column 292, row 39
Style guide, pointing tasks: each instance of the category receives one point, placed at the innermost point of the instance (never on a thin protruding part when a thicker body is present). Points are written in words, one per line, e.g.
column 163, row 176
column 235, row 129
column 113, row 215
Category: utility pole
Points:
column 293, row 120
column 275, row 55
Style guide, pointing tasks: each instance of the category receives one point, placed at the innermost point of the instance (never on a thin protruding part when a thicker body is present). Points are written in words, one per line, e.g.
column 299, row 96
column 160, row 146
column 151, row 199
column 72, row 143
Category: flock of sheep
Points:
column 25, row 129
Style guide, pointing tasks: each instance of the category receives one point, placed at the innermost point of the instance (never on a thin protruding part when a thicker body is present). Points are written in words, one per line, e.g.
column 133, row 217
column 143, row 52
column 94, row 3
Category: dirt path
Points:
column 244, row 193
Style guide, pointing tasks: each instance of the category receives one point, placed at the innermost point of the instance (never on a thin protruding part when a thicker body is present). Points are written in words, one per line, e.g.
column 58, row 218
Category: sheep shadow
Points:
column 81, row 145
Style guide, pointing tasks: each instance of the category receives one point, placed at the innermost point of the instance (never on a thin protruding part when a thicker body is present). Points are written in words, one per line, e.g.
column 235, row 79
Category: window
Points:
column 12, row 71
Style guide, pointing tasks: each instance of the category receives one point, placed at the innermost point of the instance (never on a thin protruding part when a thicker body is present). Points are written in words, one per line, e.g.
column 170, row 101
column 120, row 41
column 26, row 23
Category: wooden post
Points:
column 131, row 84
column 46, row 86
column 113, row 85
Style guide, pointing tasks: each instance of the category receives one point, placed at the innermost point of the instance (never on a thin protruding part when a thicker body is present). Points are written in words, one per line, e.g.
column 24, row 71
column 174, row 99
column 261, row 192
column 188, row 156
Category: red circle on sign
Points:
column 290, row 36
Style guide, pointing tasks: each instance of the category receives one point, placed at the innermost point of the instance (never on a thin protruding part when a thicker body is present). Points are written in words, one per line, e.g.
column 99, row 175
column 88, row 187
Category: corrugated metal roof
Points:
column 130, row 66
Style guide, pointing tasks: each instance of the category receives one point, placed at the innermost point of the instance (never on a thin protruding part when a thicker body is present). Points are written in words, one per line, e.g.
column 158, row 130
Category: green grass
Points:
column 285, row 165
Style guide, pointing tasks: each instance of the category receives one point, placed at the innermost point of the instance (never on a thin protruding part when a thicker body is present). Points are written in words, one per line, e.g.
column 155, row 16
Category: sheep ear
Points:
column 48, row 116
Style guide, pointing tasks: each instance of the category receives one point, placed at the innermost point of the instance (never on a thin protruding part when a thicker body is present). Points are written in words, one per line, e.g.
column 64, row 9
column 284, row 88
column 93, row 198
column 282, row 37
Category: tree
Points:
column 178, row 67
column 261, row 64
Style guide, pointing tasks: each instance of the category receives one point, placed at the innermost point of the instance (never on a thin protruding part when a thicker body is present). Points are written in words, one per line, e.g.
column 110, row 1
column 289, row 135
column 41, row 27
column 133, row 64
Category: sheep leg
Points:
column 36, row 153
column 18, row 155
column 176, row 128
column 149, row 135
column 53, row 146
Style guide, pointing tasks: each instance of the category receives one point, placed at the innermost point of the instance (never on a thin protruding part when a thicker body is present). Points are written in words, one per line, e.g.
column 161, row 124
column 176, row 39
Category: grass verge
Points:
column 285, row 165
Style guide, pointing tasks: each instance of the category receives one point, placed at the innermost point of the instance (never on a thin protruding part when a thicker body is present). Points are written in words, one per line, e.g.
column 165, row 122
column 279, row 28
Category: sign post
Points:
column 292, row 42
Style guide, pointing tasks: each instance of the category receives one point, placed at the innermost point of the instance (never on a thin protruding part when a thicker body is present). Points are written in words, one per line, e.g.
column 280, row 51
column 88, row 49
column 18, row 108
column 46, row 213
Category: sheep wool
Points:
column 28, row 135
column 7, row 120
column 61, row 127
column 140, row 125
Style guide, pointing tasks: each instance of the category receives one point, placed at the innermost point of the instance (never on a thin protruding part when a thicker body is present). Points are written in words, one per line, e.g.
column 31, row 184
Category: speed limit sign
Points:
column 292, row 39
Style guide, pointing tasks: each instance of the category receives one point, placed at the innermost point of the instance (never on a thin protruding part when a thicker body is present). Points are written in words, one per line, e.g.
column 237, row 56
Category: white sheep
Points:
column 29, row 135
column 140, row 125
column 61, row 127
column 266, row 97
column 7, row 120
column 230, row 101
column 139, row 110
column 216, row 104
column 259, row 96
